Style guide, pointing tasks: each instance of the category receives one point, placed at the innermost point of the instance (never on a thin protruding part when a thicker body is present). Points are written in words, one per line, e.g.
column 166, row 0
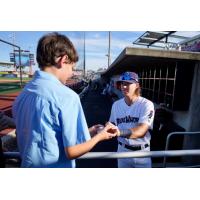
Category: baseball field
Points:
column 9, row 90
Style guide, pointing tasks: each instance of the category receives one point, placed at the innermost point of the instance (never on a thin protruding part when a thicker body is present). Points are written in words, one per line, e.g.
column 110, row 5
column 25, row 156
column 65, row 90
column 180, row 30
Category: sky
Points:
column 96, row 44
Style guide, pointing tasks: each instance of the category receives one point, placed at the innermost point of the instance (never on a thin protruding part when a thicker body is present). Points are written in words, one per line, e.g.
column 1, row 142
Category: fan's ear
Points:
column 61, row 60
column 65, row 59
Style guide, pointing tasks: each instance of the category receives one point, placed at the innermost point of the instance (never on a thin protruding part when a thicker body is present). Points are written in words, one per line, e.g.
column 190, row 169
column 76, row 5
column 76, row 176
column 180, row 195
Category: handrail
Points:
column 176, row 133
column 138, row 154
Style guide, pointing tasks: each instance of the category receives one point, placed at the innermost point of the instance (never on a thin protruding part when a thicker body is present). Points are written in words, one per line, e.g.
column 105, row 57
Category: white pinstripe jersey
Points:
column 125, row 117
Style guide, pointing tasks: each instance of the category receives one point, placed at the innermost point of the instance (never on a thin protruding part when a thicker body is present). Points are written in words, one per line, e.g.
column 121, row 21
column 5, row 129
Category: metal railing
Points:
column 176, row 133
column 113, row 155
column 136, row 154
column 140, row 154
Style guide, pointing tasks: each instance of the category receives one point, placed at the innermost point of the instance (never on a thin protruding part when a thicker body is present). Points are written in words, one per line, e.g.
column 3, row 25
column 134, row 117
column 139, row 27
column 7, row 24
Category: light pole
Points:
column 30, row 62
column 20, row 67
column 84, row 54
column 12, row 37
column 109, row 40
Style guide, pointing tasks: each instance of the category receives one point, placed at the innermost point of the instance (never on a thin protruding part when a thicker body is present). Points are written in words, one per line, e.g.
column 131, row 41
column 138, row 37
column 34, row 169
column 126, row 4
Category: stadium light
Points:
column 20, row 67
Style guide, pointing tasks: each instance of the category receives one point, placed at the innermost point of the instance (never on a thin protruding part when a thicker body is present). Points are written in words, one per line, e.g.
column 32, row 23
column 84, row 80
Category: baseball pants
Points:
column 133, row 162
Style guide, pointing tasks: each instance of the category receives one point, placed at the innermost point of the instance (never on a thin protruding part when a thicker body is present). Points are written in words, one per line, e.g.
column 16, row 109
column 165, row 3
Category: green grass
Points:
column 17, row 79
column 8, row 84
column 10, row 91
column 5, row 87
column 3, row 72
column 10, row 87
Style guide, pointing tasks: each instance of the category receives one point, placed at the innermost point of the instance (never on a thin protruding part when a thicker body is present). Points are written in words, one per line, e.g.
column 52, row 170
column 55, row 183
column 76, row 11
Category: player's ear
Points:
column 138, row 85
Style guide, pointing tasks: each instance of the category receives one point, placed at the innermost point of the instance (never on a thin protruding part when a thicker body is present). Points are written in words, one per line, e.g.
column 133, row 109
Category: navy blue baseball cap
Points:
column 130, row 77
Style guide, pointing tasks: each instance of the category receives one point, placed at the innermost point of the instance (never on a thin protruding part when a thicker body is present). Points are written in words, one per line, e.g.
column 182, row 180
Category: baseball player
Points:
column 133, row 115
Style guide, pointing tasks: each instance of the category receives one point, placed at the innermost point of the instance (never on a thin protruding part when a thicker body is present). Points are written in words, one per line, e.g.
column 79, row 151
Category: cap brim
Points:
column 132, row 81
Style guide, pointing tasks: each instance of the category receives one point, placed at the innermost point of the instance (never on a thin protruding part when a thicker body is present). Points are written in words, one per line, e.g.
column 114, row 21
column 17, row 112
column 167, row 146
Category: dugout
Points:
column 169, row 78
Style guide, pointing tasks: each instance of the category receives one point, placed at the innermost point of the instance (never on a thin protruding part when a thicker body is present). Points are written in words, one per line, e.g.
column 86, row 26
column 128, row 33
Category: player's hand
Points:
column 108, row 132
column 113, row 129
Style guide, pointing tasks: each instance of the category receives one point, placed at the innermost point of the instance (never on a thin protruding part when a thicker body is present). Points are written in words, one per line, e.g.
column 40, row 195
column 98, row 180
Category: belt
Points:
column 134, row 148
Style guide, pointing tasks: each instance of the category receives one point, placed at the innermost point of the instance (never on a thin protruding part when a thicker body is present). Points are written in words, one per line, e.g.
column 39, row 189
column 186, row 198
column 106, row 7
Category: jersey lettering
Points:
column 127, row 119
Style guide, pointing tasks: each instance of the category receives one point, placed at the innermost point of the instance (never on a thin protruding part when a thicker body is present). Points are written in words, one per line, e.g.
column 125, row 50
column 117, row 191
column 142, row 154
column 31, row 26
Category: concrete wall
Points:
column 195, row 101
column 182, row 118
column 192, row 120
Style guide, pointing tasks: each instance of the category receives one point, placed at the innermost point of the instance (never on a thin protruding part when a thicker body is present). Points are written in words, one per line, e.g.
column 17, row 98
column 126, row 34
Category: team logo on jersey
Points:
column 150, row 115
column 127, row 119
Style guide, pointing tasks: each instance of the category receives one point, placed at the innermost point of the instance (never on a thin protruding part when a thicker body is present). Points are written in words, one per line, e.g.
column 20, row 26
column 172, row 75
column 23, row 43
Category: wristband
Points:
column 125, row 132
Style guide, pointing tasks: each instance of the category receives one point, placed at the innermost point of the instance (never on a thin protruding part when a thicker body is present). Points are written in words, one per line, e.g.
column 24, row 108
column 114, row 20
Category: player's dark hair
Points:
column 52, row 46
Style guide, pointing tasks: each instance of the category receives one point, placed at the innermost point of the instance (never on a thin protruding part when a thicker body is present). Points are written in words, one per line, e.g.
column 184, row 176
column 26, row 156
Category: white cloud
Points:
column 96, row 63
column 97, row 48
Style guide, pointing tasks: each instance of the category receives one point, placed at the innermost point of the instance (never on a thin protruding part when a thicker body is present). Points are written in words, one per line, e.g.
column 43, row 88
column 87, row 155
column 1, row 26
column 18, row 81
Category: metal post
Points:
column 84, row 55
column 109, row 39
column 20, row 67
column 168, row 139
column 12, row 37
